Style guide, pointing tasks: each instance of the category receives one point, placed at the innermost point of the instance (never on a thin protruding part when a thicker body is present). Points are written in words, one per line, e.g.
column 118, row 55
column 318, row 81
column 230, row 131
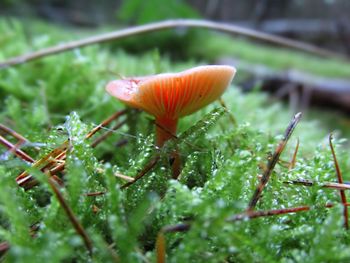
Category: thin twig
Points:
column 168, row 24
column 13, row 133
column 19, row 153
column 27, row 181
column 184, row 227
column 105, row 123
column 58, row 168
column 340, row 180
column 107, row 134
column 272, row 162
column 331, row 185
column 274, row 212
column 69, row 212
column 294, row 158
column 95, row 193
column 54, row 162
column 144, row 171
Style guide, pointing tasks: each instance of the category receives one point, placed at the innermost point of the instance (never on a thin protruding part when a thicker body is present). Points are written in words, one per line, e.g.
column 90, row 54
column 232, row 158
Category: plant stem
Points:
column 165, row 130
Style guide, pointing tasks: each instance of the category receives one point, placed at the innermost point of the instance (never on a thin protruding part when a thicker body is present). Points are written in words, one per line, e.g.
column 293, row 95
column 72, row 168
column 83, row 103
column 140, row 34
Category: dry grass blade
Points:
column 69, row 212
column 54, row 162
column 45, row 163
column 124, row 177
column 340, row 180
column 57, row 169
column 273, row 161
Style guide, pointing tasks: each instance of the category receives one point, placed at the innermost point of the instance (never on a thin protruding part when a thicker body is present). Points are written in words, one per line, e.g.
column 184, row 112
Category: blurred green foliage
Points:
column 142, row 12
column 62, row 97
column 214, row 45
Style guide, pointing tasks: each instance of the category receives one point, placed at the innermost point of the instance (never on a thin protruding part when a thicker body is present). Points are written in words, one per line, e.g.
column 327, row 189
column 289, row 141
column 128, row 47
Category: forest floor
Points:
column 84, row 213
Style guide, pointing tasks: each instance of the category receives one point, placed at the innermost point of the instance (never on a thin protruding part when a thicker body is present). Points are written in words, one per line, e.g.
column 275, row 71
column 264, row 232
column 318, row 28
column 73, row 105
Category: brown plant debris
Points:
column 273, row 161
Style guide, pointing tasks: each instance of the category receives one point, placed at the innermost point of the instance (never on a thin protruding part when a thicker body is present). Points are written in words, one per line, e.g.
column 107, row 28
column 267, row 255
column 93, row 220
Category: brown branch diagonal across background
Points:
column 169, row 24
column 273, row 161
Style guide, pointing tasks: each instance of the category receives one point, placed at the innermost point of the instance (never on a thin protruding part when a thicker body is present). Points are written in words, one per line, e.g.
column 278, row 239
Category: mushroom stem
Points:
column 166, row 130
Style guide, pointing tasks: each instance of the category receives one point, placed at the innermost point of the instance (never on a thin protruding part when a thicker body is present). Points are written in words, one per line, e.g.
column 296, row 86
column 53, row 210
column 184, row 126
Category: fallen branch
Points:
column 168, row 24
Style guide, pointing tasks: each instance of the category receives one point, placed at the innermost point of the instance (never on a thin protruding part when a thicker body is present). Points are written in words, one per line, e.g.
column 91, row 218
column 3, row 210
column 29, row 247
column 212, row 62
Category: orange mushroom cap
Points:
column 173, row 95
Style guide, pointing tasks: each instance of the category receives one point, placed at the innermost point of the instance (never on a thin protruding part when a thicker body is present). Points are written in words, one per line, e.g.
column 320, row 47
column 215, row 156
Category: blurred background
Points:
column 302, row 80
column 323, row 22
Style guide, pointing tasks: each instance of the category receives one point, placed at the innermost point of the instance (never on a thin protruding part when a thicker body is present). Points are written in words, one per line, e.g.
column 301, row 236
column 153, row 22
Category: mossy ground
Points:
column 61, row 97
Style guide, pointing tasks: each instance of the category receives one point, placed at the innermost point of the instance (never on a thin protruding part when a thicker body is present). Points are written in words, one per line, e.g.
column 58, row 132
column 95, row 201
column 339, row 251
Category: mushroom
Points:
column 171, row 96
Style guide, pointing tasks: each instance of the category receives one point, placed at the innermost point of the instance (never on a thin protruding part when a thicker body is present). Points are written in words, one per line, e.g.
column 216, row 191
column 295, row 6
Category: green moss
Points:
column 63, row 97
